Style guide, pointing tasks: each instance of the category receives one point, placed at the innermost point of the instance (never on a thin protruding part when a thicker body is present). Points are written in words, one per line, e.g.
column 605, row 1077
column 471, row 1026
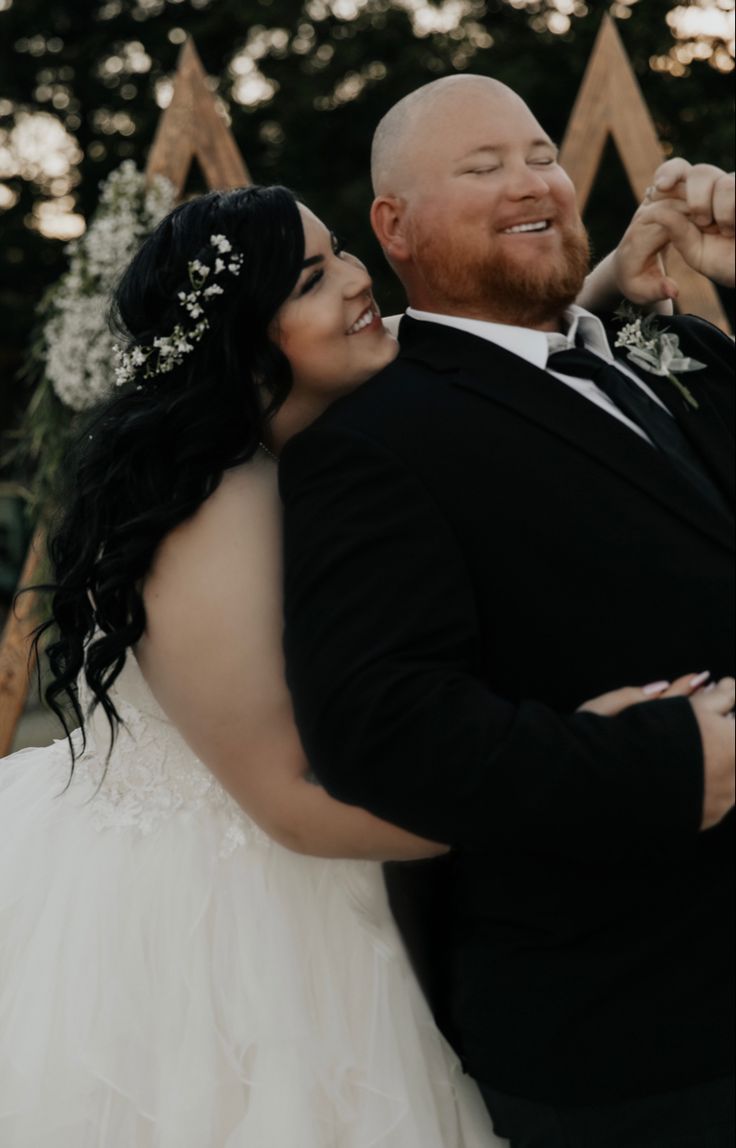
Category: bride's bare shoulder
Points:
column 213, row 599
column 240, row 523
column 245, row 490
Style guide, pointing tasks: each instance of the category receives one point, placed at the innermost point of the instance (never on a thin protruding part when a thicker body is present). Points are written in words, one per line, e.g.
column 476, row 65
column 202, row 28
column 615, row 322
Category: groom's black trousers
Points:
column 698, row 1117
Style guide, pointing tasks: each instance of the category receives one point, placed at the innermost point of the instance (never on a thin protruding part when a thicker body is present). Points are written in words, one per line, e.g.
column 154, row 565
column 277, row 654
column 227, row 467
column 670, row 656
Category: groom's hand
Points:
column 637, row 264
column 714, row 712
column 690, row 208
column 696, row 205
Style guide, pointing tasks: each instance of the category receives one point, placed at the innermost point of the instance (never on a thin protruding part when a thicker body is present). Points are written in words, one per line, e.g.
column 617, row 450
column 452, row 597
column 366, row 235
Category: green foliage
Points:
column 48, row 428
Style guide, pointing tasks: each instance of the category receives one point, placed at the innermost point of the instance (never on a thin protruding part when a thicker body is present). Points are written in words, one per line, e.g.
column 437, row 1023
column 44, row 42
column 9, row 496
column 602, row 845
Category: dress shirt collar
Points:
column 534, row 346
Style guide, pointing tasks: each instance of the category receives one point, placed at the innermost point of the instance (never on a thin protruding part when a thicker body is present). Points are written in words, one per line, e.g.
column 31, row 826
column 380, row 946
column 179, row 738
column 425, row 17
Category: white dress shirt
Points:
column 537, row 346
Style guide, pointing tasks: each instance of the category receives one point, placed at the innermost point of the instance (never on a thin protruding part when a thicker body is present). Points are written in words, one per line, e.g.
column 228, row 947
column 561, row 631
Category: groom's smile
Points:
column 528, row 228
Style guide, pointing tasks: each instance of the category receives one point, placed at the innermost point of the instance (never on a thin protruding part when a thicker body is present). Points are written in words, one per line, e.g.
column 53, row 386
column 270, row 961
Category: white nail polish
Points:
column 699, row 679
column 655, row 688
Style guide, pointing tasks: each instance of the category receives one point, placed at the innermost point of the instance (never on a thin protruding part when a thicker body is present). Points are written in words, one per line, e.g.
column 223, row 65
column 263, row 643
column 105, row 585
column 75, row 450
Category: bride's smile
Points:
column 329, row 328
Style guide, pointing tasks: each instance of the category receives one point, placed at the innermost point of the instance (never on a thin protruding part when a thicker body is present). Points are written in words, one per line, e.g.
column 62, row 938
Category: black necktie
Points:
column 661, row 428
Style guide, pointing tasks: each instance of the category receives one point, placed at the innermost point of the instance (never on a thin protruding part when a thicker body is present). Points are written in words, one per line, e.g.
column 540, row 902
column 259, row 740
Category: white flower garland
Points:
column 168, row 351
column 78, row 341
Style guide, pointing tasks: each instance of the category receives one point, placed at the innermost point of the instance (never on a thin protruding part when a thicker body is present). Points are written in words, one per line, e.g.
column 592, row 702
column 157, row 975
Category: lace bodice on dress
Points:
column 152, row 774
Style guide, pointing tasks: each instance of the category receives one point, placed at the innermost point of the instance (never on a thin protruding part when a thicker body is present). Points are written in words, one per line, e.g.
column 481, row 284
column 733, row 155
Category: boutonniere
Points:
column 655, row 349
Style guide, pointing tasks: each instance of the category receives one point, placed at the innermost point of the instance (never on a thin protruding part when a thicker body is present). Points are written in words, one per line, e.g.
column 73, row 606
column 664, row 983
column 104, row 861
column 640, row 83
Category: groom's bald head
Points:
column 407, row 130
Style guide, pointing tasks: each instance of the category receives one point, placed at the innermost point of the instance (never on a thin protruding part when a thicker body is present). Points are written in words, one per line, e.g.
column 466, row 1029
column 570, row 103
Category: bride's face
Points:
column 330, row 327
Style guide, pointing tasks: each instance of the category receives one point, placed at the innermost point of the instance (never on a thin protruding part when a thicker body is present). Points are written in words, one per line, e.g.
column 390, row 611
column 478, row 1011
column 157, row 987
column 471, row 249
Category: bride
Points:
column 195, row 945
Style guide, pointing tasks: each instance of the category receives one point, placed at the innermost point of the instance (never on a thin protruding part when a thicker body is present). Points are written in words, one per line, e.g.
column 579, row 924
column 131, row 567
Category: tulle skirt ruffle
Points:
column 193, row 988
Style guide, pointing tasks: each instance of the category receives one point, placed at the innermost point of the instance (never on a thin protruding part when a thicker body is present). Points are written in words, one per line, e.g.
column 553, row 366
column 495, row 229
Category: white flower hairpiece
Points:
column 168, row 351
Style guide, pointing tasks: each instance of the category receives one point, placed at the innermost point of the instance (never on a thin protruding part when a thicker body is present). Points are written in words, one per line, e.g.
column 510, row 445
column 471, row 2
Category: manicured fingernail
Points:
column 655, row 688
column 699, row 679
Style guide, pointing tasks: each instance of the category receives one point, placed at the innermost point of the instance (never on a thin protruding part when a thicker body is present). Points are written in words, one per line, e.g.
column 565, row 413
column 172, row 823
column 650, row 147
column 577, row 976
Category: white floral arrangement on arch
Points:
column 71, row 359
column 79, row 342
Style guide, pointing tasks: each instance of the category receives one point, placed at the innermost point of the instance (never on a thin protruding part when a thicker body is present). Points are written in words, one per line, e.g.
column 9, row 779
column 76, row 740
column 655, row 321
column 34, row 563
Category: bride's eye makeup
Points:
column 311, row 282
column 313, row 279
column 337, row 247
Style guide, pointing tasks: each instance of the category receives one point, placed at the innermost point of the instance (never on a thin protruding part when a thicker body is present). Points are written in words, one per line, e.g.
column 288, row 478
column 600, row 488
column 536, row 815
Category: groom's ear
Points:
column 388, row 219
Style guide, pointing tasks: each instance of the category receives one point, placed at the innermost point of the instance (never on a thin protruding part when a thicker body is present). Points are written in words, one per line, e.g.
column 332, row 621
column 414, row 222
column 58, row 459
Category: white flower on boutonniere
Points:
column 656, row 349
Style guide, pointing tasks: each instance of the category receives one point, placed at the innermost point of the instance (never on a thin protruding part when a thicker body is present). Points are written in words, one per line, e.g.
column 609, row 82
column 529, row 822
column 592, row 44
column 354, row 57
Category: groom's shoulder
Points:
column 404, row 391
column 710, row 339
column 401, row 416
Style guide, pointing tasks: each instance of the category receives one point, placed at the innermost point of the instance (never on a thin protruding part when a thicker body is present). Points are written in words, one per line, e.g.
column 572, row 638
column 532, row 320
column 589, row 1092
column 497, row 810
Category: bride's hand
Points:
column 612, row 703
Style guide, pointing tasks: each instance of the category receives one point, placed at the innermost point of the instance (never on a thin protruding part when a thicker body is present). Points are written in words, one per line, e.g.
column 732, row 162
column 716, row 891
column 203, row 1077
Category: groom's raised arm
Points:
column 383, row 652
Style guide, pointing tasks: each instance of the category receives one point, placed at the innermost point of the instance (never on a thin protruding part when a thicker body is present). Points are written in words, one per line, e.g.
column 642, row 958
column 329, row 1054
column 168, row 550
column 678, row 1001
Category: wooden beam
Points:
column 192, row 127
column 590, row 120
column 611, row 103
column 15, row 667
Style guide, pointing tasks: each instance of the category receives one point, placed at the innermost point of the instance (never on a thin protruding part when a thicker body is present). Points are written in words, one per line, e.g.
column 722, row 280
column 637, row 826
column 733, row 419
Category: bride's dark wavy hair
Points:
column 158, row 448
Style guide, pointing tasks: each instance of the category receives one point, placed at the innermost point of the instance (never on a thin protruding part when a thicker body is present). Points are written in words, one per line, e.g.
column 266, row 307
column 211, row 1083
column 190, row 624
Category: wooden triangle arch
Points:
column 610, row 102
column 190, row 128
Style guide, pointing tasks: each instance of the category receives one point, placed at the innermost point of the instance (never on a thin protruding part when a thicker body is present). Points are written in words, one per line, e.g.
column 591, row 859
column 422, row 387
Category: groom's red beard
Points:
column 496, row 286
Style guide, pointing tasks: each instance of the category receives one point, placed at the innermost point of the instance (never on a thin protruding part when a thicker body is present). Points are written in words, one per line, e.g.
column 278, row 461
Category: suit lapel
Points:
column 705, row 428
column 498, row 376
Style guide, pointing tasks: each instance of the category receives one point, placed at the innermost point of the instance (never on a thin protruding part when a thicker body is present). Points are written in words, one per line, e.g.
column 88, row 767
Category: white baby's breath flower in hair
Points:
column 168, row 351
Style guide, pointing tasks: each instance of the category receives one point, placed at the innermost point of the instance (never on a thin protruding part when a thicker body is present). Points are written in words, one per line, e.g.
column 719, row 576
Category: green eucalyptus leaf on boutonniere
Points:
column 655, row 349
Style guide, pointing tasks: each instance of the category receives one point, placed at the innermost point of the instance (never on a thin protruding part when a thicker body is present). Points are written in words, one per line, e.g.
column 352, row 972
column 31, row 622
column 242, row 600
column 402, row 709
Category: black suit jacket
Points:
column 472, row 550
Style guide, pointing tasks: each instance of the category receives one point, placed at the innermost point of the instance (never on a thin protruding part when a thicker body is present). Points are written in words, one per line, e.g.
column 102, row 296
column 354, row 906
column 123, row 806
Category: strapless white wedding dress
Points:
column 171, row 978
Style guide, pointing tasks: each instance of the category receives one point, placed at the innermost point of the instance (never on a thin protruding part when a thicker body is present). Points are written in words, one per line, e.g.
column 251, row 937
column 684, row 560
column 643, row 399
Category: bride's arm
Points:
column 212, row 657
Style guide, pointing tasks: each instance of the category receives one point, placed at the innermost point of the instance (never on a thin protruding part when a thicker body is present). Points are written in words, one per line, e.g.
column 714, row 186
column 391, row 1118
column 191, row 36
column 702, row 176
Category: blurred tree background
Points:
column 303, row 83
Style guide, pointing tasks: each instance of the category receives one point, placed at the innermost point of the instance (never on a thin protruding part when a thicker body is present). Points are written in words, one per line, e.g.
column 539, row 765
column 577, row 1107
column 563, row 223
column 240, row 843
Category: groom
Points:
column 482, row 537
